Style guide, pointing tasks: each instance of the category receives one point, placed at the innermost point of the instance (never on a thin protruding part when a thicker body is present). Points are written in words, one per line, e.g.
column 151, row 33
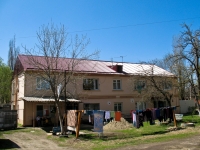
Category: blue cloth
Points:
column 98, row 121
column 157, row 113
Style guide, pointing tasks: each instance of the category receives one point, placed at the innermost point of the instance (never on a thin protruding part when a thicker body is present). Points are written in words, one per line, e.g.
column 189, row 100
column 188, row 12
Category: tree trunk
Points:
column 60, row 117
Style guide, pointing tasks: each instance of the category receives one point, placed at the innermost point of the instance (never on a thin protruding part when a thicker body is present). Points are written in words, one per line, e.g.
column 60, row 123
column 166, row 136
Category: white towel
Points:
column 107, row 115
column 89, row 118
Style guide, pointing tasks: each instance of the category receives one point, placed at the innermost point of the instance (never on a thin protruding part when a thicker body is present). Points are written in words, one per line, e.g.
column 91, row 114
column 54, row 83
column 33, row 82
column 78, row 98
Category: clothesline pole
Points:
column 78, row 123
column 175, row 123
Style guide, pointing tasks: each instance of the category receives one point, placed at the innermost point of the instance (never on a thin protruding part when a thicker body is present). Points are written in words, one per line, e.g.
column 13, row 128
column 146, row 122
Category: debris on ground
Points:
column 173, row 128
column 117, row 125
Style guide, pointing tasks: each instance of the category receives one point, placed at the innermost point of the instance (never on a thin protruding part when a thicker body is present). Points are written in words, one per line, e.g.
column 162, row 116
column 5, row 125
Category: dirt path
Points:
column 26, row 141
column 31, row 140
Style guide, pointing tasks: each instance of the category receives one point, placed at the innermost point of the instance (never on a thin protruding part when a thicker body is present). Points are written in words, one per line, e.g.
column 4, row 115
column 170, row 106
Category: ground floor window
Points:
column 40, row 110
column 117, row 106
column 71, row 106
column 91, row 106
column 141, row 105
column 159, row 104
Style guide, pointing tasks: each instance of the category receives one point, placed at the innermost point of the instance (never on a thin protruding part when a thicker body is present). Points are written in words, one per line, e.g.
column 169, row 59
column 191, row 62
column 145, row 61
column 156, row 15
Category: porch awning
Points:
column 41, row 99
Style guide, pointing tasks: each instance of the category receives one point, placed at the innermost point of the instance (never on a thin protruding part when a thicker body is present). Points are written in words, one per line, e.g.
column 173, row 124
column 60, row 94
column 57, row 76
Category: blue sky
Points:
column 138, row 30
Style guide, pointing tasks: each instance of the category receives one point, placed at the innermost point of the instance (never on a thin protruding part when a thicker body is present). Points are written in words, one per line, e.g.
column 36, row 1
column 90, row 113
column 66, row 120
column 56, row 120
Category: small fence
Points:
column 8, row 119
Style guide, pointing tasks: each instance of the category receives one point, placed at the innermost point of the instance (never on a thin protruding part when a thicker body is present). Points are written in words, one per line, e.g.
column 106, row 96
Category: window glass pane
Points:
column 90, row 84
column 115, row 107
column 139, row 85
column 40, row 110
column 119, row 107
column 118, row 85
column 47, row 85
column 167, row 85
column 38, row 83
column 90, row 106
column 114, row 85
column 43, row 85
column 96, row 84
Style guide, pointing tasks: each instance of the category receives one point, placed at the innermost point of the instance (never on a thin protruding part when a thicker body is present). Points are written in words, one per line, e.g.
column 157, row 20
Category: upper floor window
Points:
column 90, row 84
column 42, row 84
column 140, row 85
column 167, row 85
column 116, row 84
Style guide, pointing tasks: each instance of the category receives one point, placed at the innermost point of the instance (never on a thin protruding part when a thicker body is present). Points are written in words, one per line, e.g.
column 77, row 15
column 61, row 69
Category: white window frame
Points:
column 139, row 83
column 95, row 83
column 117, row 84
column 41, row 84
column 116, row 104
column 141, row 105
column 167, row 85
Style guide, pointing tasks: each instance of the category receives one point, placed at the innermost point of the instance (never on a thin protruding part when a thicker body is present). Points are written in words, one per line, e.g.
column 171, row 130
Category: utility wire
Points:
column 124, row 26
column 140, row 24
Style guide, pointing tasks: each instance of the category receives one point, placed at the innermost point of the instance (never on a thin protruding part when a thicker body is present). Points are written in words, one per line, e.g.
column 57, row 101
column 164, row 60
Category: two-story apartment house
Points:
column 105, row 85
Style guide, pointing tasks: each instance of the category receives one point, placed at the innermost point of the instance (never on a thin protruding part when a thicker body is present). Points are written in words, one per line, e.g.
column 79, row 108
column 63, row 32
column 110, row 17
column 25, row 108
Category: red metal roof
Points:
column 90, row 66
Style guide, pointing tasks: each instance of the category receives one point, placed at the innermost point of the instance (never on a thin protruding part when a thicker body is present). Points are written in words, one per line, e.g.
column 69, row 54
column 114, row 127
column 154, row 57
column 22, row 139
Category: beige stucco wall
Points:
column 128, row 104
column 30, row 112
column 20, row 112
column 31, row 87
column 21, row 85
column 103, row 95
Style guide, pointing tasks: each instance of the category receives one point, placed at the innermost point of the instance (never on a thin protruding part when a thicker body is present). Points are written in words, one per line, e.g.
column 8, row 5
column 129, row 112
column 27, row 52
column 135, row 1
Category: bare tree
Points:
column 12, row 53
column 188, row 45
column 153, row 85
column 54, row 67
column 179, row 69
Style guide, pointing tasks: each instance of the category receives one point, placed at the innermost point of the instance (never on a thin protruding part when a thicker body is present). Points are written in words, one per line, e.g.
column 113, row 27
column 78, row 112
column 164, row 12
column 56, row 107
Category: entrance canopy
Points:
column 44, row 99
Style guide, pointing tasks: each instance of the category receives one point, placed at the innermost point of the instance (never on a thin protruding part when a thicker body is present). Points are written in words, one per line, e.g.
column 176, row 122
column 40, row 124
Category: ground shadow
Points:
column 8, row 129
column 7, row 144
column 86, row 126
column 154, row 133
column 47, row 129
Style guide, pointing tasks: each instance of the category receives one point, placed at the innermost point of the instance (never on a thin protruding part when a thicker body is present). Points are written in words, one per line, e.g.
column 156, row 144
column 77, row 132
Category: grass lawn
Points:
column 132, row 136
column 118, row 138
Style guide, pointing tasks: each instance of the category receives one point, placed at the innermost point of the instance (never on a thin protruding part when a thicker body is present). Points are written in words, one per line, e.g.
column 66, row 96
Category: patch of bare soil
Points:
column 31, row 141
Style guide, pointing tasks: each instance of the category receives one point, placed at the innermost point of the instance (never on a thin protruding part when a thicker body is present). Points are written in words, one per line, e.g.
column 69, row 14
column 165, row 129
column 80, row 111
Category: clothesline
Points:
column 151, row 114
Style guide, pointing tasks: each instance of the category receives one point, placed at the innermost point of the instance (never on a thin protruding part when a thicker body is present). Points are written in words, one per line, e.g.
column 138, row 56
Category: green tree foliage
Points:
column 5, row 83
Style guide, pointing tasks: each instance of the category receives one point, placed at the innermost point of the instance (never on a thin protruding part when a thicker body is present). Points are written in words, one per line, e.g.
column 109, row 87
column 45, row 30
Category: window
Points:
column 160, row 104
column 42, row 84
column 72, row 106
column 89, row 106
column 117, row 106
column 40, row 110
column 167, row 85
column 90, row 84
column 141, row 105
column 140, row 85
column 116, row 84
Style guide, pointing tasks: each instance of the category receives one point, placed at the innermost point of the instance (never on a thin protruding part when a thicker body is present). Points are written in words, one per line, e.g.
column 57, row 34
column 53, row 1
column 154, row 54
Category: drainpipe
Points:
column 65, row 92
